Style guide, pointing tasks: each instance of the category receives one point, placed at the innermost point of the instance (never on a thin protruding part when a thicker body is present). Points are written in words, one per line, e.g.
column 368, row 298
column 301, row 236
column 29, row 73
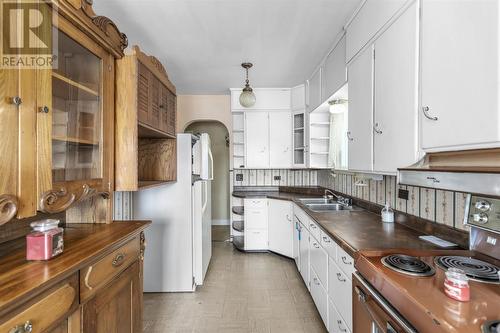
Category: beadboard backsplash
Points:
column 446, row 207
column 275, row 177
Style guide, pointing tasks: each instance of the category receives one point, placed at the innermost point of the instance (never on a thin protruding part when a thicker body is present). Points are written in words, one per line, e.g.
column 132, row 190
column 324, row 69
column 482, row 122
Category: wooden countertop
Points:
column 83, row 244
column 354, row 231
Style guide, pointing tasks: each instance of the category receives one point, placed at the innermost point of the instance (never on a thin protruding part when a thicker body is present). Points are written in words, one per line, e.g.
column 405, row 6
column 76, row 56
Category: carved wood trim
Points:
column 143, row 246
column 8, row 207
column 155, row 66
column 81, row 11
column 56, row 201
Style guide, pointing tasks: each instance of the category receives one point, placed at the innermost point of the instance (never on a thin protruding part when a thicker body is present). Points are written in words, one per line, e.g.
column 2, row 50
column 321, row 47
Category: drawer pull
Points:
column 312, row 226
column 27, row 327
column 316, row 245
column 326, row 239
column 339, row 277
column 118, row 261
column 344, row 260
column 339, row 324
column 316, row 282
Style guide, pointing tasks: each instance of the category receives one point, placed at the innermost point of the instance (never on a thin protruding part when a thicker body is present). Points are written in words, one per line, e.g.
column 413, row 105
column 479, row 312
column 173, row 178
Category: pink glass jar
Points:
column 456, row 285
column 45, row 241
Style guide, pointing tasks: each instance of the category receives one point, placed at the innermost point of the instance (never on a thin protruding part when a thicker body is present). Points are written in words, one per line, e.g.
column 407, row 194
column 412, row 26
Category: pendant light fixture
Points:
column 247, row 97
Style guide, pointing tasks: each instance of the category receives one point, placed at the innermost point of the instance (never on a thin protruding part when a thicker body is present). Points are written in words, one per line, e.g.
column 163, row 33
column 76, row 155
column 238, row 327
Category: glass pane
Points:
column 77, row 115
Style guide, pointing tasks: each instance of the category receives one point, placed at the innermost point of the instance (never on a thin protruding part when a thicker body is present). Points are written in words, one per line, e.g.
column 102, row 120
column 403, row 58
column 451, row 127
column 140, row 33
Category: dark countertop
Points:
column 356, row 230
column 83, row 244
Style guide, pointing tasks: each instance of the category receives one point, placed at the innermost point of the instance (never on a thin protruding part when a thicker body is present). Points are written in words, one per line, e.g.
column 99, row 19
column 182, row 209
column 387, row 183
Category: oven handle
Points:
column 382, row 303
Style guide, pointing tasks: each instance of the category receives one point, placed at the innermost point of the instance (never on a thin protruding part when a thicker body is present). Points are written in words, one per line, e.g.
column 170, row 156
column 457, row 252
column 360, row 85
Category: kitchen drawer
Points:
column 329, row 245
column 255, row 203
column 336, row 323
column 340, row 292
column 345, row 262
column 46, row 311
column 319, row 261
column 256, row 239
column 98, row 274
column 320, row 297
column 314, row 229
column 256, row 218
column 301, row 216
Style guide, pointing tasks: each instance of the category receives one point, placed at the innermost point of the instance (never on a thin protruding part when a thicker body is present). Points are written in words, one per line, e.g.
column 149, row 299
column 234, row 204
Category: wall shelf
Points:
column 238, row 210
column 239, row 242
column 239, row 226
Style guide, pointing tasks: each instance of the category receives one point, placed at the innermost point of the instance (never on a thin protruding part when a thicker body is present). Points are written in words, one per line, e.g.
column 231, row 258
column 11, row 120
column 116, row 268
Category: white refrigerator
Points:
column 179, row 241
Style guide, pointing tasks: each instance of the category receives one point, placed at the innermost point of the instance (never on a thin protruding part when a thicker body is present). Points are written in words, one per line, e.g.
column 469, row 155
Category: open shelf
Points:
column 75, row 140
column 239, row 226
column 62, row 83
column 320, row 153
column 238, row 130
column 238, row 156
column 321, row 138
column 298, row 129
column 238, row 143
column 148, row 132
column 239, row 242
column 320, row 123
column 239, row 210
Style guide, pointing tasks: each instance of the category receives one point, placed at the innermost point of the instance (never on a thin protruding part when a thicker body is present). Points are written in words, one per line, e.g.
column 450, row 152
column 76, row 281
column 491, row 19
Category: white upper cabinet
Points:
column 280, row 139
column 298, row 97
column 335, row 71
column 314, row 95
column 257, row 139
column 360, row 150
column 372, row 16
column 460, row 75
column 266, row 99
column 395, row 110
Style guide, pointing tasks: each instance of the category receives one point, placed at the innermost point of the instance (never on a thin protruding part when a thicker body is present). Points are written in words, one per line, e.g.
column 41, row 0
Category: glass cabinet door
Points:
column 77, row 112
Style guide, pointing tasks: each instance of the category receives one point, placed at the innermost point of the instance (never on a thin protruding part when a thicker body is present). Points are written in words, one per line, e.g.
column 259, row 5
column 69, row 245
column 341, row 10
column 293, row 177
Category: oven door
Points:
column 372, row 313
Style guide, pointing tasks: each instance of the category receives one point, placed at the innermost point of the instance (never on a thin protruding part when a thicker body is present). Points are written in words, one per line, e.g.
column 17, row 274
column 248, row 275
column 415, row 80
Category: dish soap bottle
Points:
column 387, row 214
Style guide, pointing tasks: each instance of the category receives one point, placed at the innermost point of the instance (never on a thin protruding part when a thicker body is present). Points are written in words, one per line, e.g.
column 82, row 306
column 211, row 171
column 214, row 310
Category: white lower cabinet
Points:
column 281, row 227
column 340, row 291
column 256, row 224
column 319, row 296
column 336, row 323
column 304, row 254
column 296, row 239
column 319, row 260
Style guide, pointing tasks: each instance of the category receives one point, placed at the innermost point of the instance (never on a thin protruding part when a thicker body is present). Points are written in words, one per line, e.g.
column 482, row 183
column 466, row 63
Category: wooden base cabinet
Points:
column 117, row 308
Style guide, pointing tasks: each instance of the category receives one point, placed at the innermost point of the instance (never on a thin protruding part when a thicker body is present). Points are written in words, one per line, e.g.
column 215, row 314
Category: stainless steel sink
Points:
column 327, row 207
column 313, row 201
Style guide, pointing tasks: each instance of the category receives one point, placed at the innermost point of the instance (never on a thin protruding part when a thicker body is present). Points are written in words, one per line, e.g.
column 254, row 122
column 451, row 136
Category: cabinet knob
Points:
column 44, row 109
column 16, row 100
column 425, row 110
column 27, row 327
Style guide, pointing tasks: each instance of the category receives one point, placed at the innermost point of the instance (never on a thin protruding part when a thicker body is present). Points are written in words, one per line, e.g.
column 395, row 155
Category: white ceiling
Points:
column 203, row 42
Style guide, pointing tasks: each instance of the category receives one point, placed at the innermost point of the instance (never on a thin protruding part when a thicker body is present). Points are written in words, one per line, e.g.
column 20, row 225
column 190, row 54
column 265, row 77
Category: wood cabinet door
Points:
column 460, row 71
column 257, row 139
column 360, row 129
column 395, row 110
column 143, row 93
column 172, row 113
column 280, row 139
column 155, row 103
column 164, row 95
column 117, row 308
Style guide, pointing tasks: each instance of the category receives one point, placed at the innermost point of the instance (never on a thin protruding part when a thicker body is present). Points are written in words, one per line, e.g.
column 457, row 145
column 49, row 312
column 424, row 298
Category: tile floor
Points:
column 257, row 292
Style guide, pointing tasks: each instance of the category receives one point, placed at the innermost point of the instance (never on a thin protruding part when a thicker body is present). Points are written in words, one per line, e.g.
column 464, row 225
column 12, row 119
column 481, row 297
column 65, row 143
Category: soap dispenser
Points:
column 387, row 214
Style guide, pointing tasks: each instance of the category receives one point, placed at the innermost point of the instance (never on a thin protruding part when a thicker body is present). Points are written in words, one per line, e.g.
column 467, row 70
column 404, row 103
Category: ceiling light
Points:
column 247, row 97
column 337, row 106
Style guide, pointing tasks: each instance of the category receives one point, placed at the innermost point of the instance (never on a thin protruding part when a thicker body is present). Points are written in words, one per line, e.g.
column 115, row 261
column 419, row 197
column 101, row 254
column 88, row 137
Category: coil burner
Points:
column 475, row 269
column 408, row 265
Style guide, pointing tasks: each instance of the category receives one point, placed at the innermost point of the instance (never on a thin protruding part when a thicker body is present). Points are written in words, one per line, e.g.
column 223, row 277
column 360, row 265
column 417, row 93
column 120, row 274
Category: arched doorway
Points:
column 220, row 197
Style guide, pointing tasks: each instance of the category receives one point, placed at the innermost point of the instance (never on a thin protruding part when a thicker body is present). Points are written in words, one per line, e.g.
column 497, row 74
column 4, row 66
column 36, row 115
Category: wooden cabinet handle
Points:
column 8, row 207
column 27, row 327
column 119, row 259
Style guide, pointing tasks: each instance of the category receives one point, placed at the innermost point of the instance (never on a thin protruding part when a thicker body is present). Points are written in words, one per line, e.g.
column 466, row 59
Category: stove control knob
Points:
column 483, row 205
column 480, row 218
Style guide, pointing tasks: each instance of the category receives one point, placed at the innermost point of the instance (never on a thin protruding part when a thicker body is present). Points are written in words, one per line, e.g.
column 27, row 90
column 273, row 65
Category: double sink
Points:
column 324, row 205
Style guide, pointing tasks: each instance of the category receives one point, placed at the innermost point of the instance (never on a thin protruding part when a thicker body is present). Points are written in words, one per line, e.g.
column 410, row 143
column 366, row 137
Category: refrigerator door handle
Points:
column 205, row 196
column 211, row 176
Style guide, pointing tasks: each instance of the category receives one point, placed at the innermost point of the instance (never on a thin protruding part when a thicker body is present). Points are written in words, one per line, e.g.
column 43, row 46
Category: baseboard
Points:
column 220, row 222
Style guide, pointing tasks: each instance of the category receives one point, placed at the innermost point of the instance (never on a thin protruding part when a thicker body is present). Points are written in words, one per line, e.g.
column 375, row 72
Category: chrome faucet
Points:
column 340, row 199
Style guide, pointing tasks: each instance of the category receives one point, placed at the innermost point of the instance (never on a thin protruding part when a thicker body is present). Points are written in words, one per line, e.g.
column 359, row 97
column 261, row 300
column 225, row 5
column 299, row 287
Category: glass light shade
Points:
column 338, row 108
column 247, row 98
